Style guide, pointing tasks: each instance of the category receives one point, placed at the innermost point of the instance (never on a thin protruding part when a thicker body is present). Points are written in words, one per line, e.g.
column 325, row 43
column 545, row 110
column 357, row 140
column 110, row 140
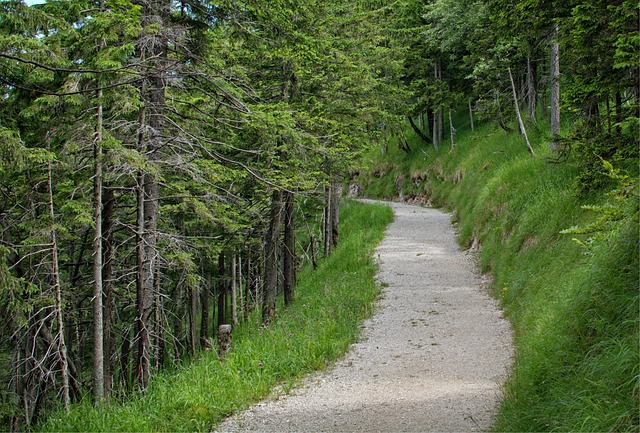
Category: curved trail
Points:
column 433, row 357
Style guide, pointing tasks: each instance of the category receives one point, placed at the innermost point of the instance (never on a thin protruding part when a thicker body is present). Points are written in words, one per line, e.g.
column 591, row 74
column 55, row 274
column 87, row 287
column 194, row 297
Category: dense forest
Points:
column 167, row 166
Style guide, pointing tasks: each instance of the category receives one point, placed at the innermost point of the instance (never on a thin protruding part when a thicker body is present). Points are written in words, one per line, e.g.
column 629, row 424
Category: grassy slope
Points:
column 313, row 332
column 575, row 315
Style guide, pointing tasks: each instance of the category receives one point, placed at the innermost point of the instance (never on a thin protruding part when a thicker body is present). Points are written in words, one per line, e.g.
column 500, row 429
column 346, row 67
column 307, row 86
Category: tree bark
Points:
column 221, row 290
column 289, row 249
column 241, row 297
column 471, row 116
column 98, row 322
column 107, row 272
column 532, row 96
column 271, row 260
column 555, row 90
column 61, row 345
column 452, row 130
column 417, row 130
column 193, row 320
column 206, row 312
column 335, row 214
column 517, row 107
column 234, row 290
column 125, row 361
column 327, row 214
column 155, row 12
column 248, row 285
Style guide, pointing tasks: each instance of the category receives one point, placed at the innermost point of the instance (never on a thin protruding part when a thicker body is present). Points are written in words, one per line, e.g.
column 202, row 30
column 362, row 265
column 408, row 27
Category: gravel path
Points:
column 433, row 358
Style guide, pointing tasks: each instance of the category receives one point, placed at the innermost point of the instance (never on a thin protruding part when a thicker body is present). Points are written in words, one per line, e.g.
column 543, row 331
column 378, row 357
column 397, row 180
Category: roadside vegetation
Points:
column 308, row 335
column 564, row 263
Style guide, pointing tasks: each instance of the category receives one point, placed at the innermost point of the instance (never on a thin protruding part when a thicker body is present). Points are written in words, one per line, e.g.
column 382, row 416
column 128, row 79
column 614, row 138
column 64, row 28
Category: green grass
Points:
column 309, row 335
column 575, row 313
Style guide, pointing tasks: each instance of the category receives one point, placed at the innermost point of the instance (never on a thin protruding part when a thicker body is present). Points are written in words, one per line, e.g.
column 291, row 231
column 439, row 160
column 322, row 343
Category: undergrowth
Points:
column 331, row 302
column 572, row 298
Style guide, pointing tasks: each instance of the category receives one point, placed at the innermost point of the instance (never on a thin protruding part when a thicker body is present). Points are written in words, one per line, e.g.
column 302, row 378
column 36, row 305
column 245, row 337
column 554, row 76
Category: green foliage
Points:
column 308, row 335
column 612, row 212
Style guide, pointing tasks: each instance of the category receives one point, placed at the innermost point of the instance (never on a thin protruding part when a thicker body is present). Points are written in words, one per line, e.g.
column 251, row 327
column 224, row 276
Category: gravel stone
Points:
column 433, row 358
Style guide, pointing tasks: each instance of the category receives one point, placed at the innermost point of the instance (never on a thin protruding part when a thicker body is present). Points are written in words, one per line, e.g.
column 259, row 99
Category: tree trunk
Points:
column 107, row 272
column 471, row 116
column 501, row 123
column 531, row 90
column 555, row 90
column 619, row 114
column 271, row 260
column 517, row 107
column 417, row 130
column 221, row 290
column 452, row 130
column 61, row 345
column 439, row 113
column 430, row 119
column 179, row 314
column 155, row 12
column 327, row 214
column 125, row 361
column 206, row 312
column 248, row 285
column 335, row 214
column 289, row 249
column 241, row 298
column 193, row 320
column 159, row 334
column 98, row 323
column 234, row 290
column 143, row 293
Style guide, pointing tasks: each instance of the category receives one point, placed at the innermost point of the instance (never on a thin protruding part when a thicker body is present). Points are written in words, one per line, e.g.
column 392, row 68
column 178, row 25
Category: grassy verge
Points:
column 331, row 303
column 575, row 310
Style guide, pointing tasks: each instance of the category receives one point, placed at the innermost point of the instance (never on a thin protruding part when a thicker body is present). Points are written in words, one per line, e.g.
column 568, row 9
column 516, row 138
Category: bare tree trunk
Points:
column 520, row 122
column 234, row 290
column 452, row 130
column 532, row 96
column 98, row 325
column 326, row 228
column 619, row 114
column 62, row 347
column 289, row 249
column 417, row 130
column 141, row 334
column 179, row 314
column 312, row 245
column 17, row 365
column 241, row 298
column 430, row 122
column 159, row 339
column 471, row 116
column 155, row 12
column 271, row 260
column 107, row 272
column 440, row 126
column 439, row 114
column 193, row 320
column 555, row 90
column 221, row 290
column 206, row 312
column 125, row 361
column 335, row 214
column 248, row 285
